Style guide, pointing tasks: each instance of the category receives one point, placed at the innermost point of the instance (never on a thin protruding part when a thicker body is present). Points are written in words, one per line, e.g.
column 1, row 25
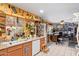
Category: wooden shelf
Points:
column 17, row 12
column 2, row 24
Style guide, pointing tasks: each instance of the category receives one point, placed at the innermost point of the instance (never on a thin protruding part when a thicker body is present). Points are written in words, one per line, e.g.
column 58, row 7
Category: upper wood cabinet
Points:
column 2, row 24
column 14, row 11
column 6, row 8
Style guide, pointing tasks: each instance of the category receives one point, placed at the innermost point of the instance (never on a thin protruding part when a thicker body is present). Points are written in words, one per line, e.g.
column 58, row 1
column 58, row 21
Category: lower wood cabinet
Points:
column 27, row 49
column 42, row 41
column 54, row 38
column 18, row 50
column 15, row 51
column 3, row 52
column 3, row 55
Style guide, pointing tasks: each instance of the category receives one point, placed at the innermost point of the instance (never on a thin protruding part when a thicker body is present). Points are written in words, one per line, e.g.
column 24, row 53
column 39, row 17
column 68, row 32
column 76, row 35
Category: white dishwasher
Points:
column 35, row 47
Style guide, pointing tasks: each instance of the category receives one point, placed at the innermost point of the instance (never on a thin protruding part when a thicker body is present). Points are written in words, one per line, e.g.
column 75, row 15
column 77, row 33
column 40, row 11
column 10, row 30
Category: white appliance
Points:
column 35, row 47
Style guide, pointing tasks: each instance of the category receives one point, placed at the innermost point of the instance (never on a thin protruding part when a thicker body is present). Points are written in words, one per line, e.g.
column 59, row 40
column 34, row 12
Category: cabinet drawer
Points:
column 28, row 43
column 17, row 52
column 14, row 48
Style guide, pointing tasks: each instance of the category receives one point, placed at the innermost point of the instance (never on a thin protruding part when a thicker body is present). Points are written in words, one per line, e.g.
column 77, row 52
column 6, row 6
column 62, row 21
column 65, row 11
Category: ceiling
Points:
column 54, row 12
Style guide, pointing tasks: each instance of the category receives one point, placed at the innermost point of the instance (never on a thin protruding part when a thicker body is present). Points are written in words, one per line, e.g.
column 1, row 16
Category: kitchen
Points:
column 20, row 34
column 23, row 33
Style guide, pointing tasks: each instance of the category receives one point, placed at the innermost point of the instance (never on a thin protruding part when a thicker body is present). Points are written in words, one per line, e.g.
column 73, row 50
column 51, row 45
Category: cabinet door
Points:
column 27, row 49
column 55, row 38
column 42, row 41
column 17, row 52
column 3, row 52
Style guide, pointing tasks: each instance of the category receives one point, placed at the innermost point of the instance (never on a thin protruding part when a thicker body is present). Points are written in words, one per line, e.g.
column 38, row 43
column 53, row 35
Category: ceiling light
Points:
column 41, row 11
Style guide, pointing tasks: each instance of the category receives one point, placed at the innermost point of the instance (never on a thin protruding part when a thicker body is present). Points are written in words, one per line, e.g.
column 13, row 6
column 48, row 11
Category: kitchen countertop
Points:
column 5, row 45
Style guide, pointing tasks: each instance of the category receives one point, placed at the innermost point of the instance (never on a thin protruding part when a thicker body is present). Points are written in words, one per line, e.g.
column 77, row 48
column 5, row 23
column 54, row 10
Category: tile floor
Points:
column 59, row 50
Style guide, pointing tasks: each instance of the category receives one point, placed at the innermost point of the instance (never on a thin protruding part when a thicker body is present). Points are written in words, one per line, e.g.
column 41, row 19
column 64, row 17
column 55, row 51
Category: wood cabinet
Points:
column 2, row 25
column 27, row 49
column 14, row 11
column 42, row 41
column 3, row 52
column 54, row 38
column 49, row 38
column 18, row 50
column 15, row 51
